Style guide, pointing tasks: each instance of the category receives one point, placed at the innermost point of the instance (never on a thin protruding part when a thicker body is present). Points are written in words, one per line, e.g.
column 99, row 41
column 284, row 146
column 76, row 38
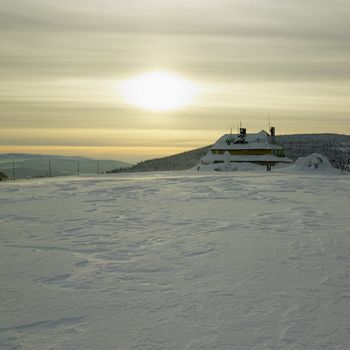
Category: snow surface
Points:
column 182, row 260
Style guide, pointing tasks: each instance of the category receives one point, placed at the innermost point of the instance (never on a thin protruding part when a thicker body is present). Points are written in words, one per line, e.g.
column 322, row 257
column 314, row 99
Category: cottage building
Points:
column 259, row 148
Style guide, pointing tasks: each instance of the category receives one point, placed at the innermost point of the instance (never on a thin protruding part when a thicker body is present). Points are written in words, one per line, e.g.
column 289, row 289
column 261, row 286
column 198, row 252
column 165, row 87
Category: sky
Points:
column 62, row 62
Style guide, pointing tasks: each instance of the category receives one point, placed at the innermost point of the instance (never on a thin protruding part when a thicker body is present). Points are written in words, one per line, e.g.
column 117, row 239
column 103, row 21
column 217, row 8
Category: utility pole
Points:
column 50, row 168
column 13, row 169
column 78, row 168
column 98, row 167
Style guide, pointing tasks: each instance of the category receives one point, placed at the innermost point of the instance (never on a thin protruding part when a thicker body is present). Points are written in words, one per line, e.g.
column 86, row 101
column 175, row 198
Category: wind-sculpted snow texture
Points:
column 176, row 261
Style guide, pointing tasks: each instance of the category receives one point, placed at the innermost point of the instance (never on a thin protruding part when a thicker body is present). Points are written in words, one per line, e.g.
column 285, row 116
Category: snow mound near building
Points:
column 314, row 161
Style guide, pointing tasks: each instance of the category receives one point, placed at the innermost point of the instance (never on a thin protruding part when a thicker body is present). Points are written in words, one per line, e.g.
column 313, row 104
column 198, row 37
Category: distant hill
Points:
column 38, row 165
column 335, row 147
column 10, row 156
column 181, row 161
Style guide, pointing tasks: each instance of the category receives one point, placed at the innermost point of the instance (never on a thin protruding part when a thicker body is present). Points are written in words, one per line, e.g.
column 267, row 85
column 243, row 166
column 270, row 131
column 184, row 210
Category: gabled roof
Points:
column 260, row 140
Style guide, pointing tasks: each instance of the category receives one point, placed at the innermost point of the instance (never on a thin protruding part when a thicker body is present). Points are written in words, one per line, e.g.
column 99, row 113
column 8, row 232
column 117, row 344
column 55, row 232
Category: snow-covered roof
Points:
column 260, row 140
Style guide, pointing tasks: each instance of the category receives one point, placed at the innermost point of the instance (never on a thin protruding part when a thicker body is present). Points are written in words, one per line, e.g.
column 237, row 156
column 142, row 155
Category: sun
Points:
column 158, row 91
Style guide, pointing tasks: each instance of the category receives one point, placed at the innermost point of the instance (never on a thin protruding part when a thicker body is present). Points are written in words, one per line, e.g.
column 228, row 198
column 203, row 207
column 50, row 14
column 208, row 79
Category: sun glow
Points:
column 158, row 91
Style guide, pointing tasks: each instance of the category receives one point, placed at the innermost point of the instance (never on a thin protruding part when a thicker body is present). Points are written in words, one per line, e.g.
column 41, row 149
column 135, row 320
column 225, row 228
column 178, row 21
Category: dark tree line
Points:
column 335, row 147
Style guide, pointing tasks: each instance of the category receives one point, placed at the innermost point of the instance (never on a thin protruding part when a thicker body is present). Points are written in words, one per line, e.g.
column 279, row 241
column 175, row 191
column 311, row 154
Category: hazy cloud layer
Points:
column 60, row 63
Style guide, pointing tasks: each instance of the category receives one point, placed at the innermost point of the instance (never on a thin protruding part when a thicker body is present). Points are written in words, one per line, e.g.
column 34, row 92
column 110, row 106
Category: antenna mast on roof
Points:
column 269, row 120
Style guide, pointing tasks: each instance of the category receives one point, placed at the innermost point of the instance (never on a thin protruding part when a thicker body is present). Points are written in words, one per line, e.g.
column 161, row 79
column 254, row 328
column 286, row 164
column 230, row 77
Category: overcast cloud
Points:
column 60, row 61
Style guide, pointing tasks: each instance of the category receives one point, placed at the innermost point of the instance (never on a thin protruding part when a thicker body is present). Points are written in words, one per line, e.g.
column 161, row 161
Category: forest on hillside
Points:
column 335, row 147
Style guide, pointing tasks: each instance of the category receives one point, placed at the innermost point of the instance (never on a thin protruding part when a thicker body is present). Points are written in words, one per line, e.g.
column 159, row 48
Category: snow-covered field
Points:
column 183, row 260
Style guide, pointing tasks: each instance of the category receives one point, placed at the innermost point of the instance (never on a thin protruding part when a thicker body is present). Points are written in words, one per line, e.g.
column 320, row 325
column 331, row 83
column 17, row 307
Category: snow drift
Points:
column 314, row 161
column 175, row 261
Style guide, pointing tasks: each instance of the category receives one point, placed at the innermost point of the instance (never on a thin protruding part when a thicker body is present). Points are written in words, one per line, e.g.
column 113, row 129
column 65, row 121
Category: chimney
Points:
column 242, row 131
column 273, row 131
